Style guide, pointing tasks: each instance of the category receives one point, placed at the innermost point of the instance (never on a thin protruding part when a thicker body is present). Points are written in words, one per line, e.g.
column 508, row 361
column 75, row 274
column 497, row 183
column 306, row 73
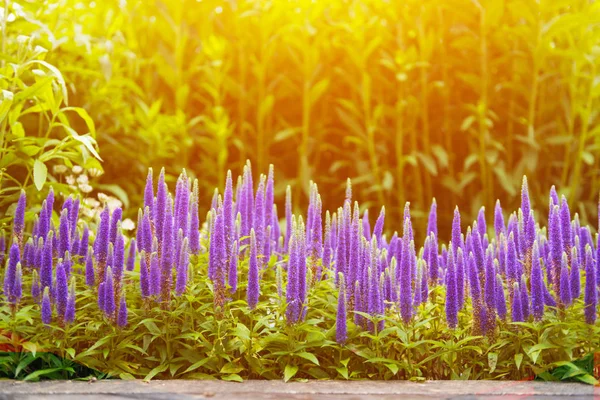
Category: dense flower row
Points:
column 513, row 270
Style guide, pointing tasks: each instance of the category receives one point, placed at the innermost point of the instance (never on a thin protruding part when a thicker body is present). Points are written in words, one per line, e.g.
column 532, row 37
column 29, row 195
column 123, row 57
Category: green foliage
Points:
column 38, row 128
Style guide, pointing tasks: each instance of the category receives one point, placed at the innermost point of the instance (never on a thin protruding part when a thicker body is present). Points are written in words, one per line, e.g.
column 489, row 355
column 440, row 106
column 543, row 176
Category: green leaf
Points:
column 231, row 368
column 343, row 371
column 492, row 361
column 37, row 374
column 518, row 360
column 242, row 332
column 157, row 370
column 232, row 378
column 309, row 357
column 289, row 372
column 40, row 174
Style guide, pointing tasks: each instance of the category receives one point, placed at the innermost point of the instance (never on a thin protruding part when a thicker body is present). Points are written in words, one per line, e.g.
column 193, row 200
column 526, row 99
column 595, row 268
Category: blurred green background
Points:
column 455, row 99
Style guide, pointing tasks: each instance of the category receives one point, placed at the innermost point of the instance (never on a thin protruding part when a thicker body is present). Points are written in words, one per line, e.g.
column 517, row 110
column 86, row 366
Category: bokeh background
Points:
column 455, row 99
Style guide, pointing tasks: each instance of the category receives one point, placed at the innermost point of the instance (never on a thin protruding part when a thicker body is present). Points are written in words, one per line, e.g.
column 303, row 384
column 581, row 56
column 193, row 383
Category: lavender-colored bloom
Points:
column 341, row 250
column 525, row 202
column 590, row 297
column 149, row 191
column 366, row 225
column 109, row 294
column 38, row 253
column 62, row 289
column 14, row 259
column 101, row 242
column 158, row 210
column 35, row 287
column 374, row 297
column 19, row 221
column 217, row 253
column 524, row 298
column 424, row 282
column 516, row 308
column 548, row 299
column 269, row 195
column 565, row 286
column 489, row 291
column 155, row 284
column 301, row 266
column 115, row 221
column 69, row 316
column 565, row 226
column 131, row 255
column 511, row 260
column 348, row 198
column 29, row 254
column 537, row 284
column 101, row 297
column 46, row 307
column 553, row 201
column 556, row 246
column 75, row 245
column 145, row 239
column 378, row 229
column 291, row 292
column 407, row 227
column 341, row 329
column 144, row 276
column 499, row 226
column 182, row 202
column 139, row 234
column 233, row 265
column 481, row 224
column 64, row 234
column 327, row 247
column 74, row 216
column 182, row 268
column 575, row 275
column 456, row 231
column 432, row 259
column 16, row 291
column 167, row 254
column 316, row 238
column 288, row 216
column 194, row 221
column 47, row 261
column 228, row 222
column 500, row 298
column 122, row 316
column 405, row 279
column 451, row 297
column 432, row 221
column 460, row 278
column 84, row 242
column 89, row 269
column 258, row 222
column 119, row 256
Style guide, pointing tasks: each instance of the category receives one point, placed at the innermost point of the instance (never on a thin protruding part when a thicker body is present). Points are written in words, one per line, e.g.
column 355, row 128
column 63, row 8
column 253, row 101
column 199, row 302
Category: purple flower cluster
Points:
column 515, row 270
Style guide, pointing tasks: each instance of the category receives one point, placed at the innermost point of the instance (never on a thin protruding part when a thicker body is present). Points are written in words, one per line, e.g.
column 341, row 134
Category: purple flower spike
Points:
column 64, row 234
column 70, row 309
column 348, row 190
column 291, row 292
column 228, row 221
column 89, row 269
column 115, row 220
column 499, row 226
column 451, row 300
column 155, row 284
column 101, row 242
column 374, row 298
column 366, row 225
column 405, row 278
column 144, row 276
column 109, row 294
column 516, row 308
column 511, row 260
column 269, row 195
column 481, row 223
column 14, row 258
column 182, row 203
column 575, row 275
column 182, row 268
column 62, row 289
column 460, row 278
column 217, row 253
column 19, row 221
column 408, row 229
column 149, row 191
column 591, row 292
column 537, row 284
column 565, row 286
column 46, row 307
column 167, row 255
column 556, row 247
column 327, row 247
column 565, row 226
column 432, row 221
column 47, row 261
column 378, row 229
column 489, row 291
column 194, row 221
column 17, row 288
column 301, row 266
column 119, row 256
column 74, row 216
column 131, row 255
column 84, row 242
column 258, row 222
column 553, row 198
column 101, row 297
column 122, row 316
column 158, row 211
column 288, row 216
column 525, row 202
column 456, row 231
column 253, row 291
column 233, row 265
column 524, row 298
column 341, row 329
column 500, row 298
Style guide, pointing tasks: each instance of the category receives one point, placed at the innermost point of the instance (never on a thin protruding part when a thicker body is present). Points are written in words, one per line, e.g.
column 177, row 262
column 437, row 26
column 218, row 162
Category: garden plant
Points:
column 321, row 294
